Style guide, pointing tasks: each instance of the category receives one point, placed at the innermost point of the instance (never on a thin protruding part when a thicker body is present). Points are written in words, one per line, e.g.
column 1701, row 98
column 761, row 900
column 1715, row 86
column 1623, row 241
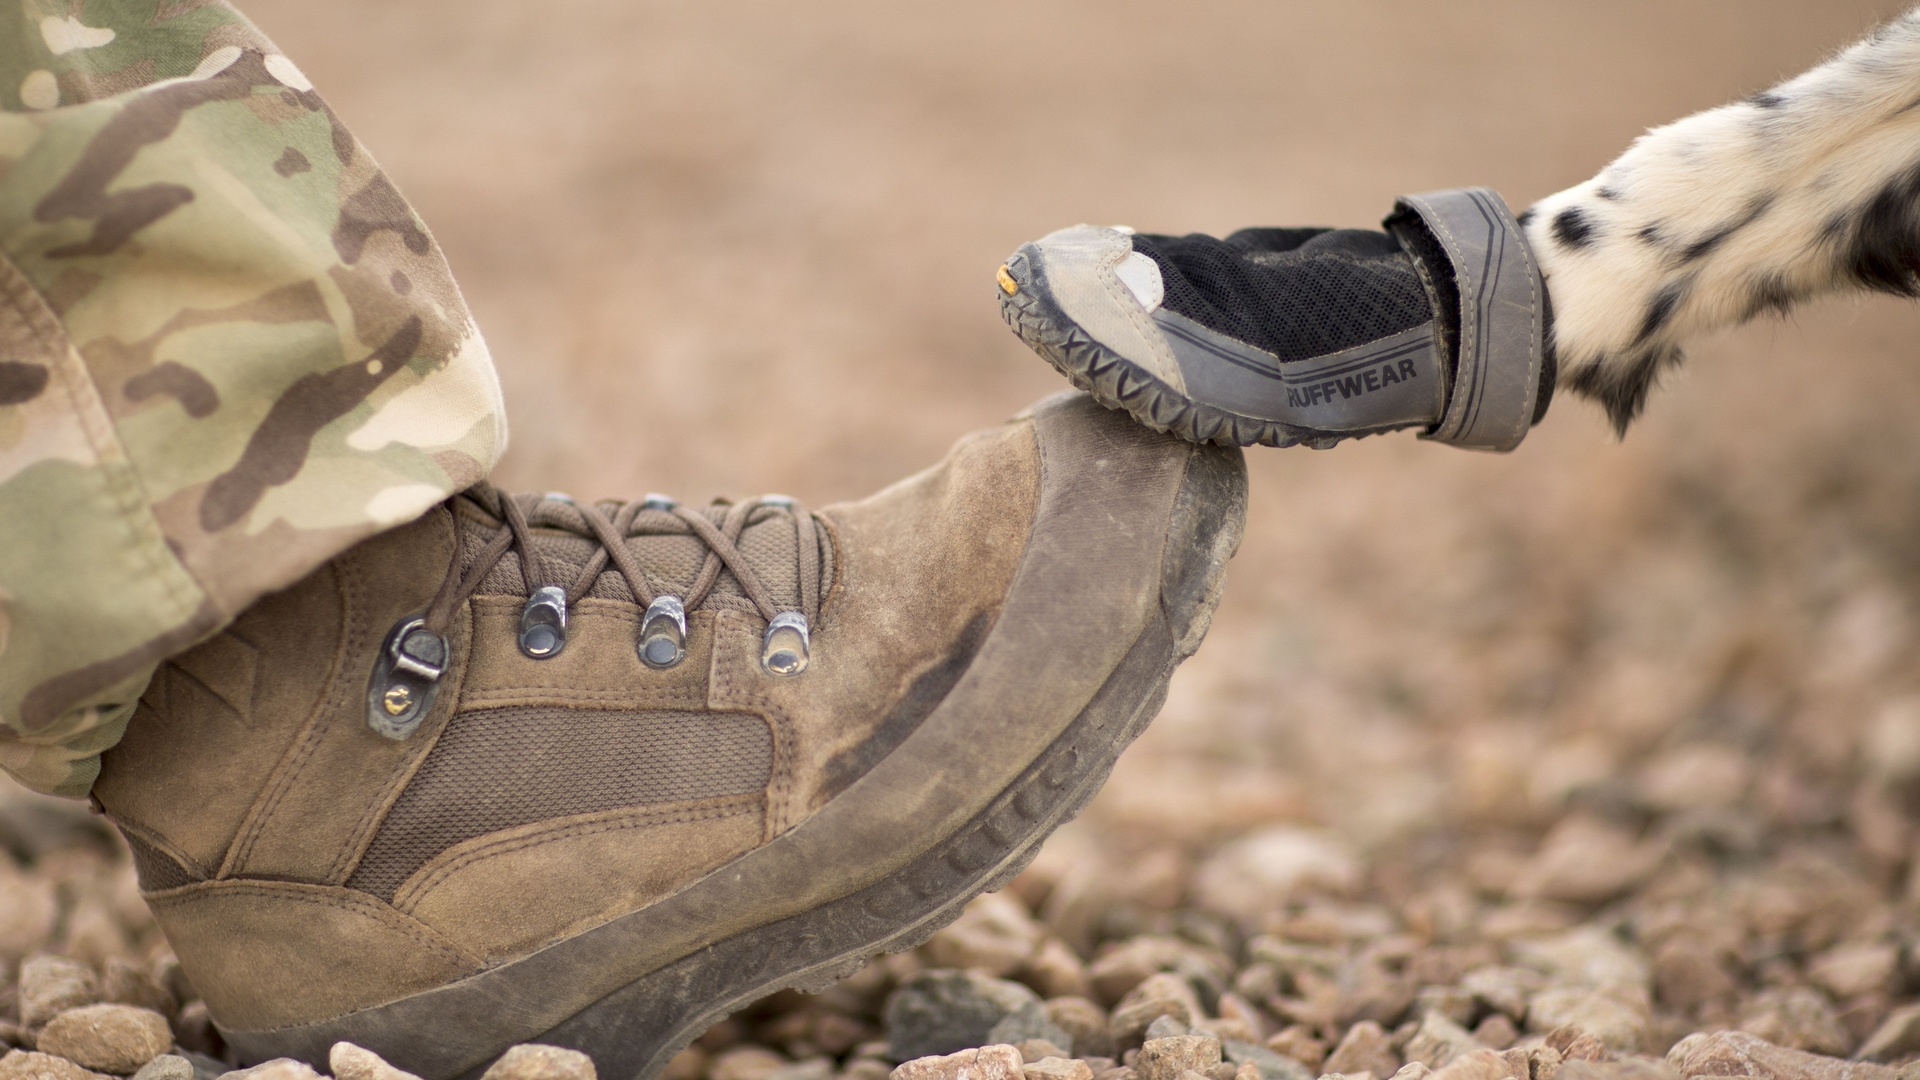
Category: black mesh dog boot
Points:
column 1285, row 336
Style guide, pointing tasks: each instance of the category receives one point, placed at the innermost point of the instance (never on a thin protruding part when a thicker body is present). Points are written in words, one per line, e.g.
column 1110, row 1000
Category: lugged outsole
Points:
column 1119, row 383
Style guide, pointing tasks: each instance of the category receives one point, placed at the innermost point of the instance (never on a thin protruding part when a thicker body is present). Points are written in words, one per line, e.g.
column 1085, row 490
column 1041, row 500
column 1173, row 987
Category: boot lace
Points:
column 416, row 651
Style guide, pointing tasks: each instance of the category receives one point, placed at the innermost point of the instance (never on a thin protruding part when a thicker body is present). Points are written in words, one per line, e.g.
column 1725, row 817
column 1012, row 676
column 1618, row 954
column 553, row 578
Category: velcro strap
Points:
column 1396, row 381
column 1496, row 377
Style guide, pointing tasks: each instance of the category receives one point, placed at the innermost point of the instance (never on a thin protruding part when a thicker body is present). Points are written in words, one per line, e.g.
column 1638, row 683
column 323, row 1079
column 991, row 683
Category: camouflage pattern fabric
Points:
column 228, row 351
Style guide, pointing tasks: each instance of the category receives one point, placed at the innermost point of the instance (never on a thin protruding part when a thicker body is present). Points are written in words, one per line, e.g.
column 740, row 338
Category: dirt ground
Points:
column 739, row 247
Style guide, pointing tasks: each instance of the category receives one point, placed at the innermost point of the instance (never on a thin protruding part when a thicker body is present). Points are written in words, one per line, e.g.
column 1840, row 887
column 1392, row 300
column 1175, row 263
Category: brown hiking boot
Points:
column 529, row 770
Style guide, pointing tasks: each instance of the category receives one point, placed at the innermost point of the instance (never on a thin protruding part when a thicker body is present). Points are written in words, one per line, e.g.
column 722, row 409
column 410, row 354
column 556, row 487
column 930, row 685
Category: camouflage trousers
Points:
column 228, row 351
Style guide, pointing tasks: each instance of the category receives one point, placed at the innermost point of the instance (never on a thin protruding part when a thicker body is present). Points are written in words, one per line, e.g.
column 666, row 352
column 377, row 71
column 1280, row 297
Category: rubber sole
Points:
column 635, row 1029
column 1119, row 383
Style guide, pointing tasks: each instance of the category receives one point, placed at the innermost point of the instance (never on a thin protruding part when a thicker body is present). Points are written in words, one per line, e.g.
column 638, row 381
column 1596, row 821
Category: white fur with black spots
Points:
column 1810, row 188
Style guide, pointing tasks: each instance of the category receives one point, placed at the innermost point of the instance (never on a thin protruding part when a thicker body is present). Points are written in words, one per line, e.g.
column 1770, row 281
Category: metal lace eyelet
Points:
column 663, row 633
column 406, row 676
column 783, row 502
column 543, row 623
column 784, row 650
column 657, row 501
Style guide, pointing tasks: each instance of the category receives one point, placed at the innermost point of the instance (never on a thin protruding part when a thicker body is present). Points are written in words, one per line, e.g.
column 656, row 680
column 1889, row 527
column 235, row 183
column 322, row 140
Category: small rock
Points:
column 998, row 1062
column 350, row 1062
column 1586, row 956
column 1412, row 1070
column 1572, row 1044
column 1521, row 1061
column 1896, row 1037
column 1891, row 749
column 1292, row 958
column 1482, row 1065
column 1698, row 776
column 1438, row 1041
column 1453, row 1002
column 1298, row 1042
column 1796, row 1019
column 814, row 1068
column 1236, row 1010
column 835, row 1033
column 1267, row 1064
column 1585, row 860
column 204, row 1067
column 1226, row 1029
column 277, row 1069
column 1166, row 1027
column 1502, row 989
column 50, row 985
column 195, row 1031
column 538, row 1061
column 941, row 1012
column 742, row 1063
column 1160, row 994
column 1258, row 873
column 1364, row 1048
column 1618, row 1020
column 168, row 973
column 1057, row 971
column 166, row 1067
column 1369, row 991
column 1057, row 1068
column 1040, row 1050
column 125, row 983
column 1848, row 971
column 29, row 911
column 1223, row 1071
column 994, row 934
column 1543, row 1062
column 1167, row 1059
column 1084, row 1022
column 791, row 1032
column 1862, row 1016
column 108, row 1038
column 1119, row 970
column 1737, row 1053
column 1258, row 981
column 29, row 1065
column 1688, row 974
column 1629, row 1068
column 1497, row 1032
column 92, row 931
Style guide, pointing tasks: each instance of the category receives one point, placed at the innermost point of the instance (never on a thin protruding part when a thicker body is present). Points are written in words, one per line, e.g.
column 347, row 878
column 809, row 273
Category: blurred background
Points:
column 728, row 248
column 735, row 247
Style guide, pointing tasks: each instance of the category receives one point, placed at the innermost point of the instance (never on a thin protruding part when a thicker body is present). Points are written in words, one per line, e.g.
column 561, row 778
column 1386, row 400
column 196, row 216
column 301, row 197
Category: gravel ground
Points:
column 1503, row 765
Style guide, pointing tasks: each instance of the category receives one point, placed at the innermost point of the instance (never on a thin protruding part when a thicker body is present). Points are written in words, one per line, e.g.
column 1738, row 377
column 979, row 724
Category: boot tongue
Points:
column 671, row 562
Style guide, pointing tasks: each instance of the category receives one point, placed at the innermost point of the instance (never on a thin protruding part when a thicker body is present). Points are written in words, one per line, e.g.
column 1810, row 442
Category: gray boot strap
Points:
column 1496, row 376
